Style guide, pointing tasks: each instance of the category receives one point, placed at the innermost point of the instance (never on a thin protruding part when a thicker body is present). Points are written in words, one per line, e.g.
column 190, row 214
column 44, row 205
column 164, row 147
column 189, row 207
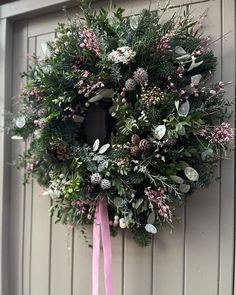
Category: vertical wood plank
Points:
column 137, row 268
column 61, row 259
column 6, row 56
column 41, row 239
column 16, row 220
column 203, row 207
column 28, row 210
column 82, row 270
column 168, row 260
column 40, row 243
column 228, row 173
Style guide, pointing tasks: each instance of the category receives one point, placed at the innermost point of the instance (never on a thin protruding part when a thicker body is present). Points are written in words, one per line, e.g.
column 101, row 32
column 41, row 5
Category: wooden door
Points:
column 196, row 257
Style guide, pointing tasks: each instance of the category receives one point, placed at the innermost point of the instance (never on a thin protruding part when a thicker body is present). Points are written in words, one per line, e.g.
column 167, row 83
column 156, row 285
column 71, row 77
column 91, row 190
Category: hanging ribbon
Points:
column 101, row 230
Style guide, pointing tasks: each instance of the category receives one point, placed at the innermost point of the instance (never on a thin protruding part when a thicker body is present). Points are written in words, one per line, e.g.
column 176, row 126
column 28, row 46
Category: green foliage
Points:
column 151, row 81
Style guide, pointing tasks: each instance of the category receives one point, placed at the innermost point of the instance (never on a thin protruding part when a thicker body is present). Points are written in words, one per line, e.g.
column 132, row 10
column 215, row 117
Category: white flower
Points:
column 122, row 55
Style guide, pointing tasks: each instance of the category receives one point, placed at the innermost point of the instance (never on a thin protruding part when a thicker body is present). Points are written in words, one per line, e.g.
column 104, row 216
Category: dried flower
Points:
column 222, row 134
column 122, row 55
column 90, row 41
column 141, row 76
column 130, row 85
column 158, row 198
column 151, row 96
column 164, row 43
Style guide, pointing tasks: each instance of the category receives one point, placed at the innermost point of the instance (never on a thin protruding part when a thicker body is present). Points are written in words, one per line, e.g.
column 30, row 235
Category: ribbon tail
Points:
column 96, row 250
column 106, row 242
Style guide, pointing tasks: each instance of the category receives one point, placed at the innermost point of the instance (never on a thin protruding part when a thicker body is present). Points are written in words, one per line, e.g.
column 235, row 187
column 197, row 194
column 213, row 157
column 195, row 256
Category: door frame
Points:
column 24, row 9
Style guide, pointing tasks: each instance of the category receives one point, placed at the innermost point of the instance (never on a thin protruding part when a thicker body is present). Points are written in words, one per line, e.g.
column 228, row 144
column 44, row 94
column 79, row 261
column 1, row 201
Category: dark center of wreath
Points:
column 98, row 122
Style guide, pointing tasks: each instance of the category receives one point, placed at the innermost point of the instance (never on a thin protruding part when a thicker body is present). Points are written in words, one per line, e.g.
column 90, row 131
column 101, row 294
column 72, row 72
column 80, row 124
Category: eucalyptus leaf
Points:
column 184, row 109
column 160, row 131
column 78, row 119
column 177, row 104
column 150, row 228
column 151, row 218
column 95, row 98
column 177, row 179
column 207, row 154
column 104, row 148
column 98, row 158
column 20, row 122
column 184, row 57
column 191, row 174
column 102, row 166
column 184, row 188
column 118, row 202
column 179, row 50
column 194, row 65
column 96, row 145
column 180, row 129
column 196, row 79
column 138, row 203
column 122, row 223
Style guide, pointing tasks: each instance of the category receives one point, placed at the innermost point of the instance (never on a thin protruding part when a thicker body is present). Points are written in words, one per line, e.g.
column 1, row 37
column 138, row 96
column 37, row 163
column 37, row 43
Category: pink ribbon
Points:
column 101, row 229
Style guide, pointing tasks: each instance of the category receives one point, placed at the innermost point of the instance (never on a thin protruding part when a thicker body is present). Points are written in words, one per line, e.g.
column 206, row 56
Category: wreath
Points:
column 123, row 108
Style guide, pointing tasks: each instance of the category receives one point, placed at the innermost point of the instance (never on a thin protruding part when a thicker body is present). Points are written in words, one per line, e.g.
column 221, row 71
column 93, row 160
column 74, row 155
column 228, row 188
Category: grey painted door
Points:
column 195, row 258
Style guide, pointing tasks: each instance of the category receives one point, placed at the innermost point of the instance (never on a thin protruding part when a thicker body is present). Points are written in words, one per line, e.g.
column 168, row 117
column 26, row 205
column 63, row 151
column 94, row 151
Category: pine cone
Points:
column 62, row 153
column 135, row 139
column 135, row 151
column 144, row 145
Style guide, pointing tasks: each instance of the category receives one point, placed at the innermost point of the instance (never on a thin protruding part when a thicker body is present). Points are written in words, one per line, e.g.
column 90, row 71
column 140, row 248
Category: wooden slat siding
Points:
column 168, row 256
column 203, row 207
column 82, row 270
column 16, row 220
column 168, row 260
column 6, row 40
column 32, row 7
column 118, row 256
column 28, row 211
column 137, row 268
column 41, row 239
column 61, row 260
column 227, row 173
column 40, row 249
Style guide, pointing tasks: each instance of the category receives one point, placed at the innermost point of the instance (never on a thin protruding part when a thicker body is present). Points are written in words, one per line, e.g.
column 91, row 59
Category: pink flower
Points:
column 164, row 43
column 212, row 92
column 90, row 41
column 85, row 74
column 158, row 198
column 222, row 134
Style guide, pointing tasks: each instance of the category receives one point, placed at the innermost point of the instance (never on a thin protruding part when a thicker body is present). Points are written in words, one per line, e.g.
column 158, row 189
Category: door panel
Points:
column 53, row 259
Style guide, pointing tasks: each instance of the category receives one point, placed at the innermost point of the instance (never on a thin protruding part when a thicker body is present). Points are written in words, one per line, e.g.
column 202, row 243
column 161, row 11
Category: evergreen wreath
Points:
column 164, row 118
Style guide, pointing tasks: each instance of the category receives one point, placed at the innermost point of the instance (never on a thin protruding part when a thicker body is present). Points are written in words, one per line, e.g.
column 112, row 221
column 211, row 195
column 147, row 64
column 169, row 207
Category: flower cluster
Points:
column 164, row 43
column 90, row 41
column 158, row 198
column 123, row 55
column 222, row 134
